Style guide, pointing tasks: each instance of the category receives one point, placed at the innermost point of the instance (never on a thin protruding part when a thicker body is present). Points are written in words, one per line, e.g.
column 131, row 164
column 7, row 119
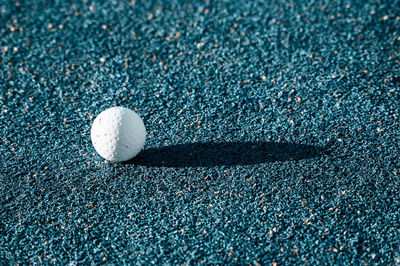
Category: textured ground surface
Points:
column 273, row 131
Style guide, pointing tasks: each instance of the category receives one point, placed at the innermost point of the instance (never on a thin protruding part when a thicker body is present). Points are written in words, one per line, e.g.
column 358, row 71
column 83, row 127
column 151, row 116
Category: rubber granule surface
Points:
column 272, row 132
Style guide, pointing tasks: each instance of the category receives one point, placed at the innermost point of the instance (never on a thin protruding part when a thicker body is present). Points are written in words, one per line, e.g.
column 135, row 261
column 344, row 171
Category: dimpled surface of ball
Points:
column 118, row 134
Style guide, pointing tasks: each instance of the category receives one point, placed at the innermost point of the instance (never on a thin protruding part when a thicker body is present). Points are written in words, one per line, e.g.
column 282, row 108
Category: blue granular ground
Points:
column 273, row 132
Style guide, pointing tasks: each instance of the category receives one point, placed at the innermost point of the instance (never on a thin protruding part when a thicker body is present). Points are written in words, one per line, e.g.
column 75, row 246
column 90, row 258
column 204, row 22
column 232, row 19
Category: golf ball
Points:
column 118, row 134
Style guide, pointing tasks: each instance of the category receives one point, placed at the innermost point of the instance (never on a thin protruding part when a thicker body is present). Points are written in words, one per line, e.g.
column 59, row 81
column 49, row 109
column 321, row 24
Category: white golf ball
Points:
column 118, row 134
